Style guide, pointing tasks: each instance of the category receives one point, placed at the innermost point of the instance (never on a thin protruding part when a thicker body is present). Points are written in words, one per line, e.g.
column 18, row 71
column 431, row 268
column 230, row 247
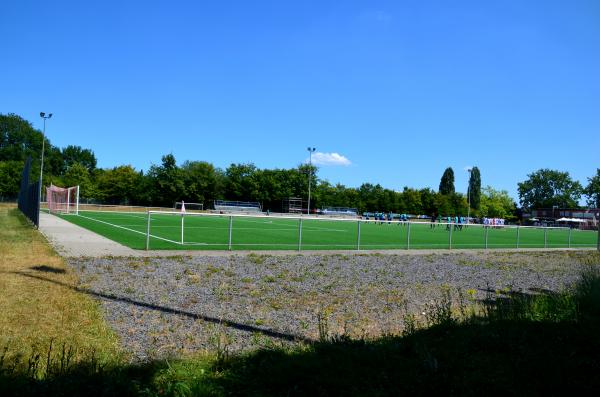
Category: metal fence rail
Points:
column 407, row 235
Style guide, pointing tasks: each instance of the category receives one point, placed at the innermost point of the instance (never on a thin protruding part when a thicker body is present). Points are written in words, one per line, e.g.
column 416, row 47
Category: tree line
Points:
column 201, row 182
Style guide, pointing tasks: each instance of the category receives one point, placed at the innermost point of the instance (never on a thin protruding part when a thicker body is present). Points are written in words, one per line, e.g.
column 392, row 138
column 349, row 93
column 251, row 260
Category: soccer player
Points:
column 432, row 224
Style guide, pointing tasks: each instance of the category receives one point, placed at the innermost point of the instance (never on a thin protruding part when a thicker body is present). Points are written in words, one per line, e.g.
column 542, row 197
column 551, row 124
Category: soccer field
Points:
column 276, row 233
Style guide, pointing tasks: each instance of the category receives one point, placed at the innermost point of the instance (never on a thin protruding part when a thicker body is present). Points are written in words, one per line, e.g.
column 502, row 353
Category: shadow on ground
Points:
column 546, row 344
column 165, row 309
column 48, row 269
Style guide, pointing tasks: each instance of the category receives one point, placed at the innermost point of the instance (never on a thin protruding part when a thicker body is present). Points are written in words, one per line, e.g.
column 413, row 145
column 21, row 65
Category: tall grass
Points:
column 44, row 327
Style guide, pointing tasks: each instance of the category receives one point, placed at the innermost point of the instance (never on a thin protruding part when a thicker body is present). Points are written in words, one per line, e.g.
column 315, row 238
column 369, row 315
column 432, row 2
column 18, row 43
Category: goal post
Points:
column 187, row 206
column 63, row 200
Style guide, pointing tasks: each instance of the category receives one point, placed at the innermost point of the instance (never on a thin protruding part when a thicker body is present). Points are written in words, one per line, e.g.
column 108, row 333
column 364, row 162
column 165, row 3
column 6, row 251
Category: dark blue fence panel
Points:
column 29, row 195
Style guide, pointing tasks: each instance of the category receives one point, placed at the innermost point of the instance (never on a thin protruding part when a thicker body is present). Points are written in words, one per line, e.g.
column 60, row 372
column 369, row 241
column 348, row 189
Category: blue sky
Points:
column 398, row 89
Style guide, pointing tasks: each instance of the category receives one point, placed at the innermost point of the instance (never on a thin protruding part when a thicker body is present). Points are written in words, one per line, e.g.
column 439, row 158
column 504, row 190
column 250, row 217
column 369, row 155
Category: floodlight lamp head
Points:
column 42, row 114
column 50, row 115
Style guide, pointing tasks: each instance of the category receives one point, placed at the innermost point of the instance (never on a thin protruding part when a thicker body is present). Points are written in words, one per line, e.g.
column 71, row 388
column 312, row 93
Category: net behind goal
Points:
column 64, row 200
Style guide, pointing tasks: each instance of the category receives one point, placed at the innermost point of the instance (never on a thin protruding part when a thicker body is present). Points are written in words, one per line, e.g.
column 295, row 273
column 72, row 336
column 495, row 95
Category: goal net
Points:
column 64, row 200
column 185, row 206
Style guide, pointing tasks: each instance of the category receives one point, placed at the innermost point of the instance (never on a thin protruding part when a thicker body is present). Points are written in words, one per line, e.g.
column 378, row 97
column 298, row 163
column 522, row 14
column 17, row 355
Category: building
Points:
column 591, row 216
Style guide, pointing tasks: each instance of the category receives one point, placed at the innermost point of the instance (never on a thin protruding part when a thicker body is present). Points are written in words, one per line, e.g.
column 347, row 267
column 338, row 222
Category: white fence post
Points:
column 408, row 237
column 181, row 229
column 545, row 237
column 300, row 234
column 230, row 229
column 486, row 237
column 148, row 233
column 450, row 237
column 358, row 238
column 518, row 235
column 570, row 231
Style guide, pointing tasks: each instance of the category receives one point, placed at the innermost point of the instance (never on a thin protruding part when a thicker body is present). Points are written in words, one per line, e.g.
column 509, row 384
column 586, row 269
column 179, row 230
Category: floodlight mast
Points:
column 43, row 116
column 469, row 196
column 311, row 150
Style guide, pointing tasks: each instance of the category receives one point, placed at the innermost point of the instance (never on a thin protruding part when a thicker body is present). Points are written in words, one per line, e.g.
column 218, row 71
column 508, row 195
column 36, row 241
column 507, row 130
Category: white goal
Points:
column 63, row 200
column 179, row 205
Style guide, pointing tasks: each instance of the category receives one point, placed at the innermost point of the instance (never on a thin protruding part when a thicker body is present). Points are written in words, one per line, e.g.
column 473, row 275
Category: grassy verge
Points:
column 42, row 325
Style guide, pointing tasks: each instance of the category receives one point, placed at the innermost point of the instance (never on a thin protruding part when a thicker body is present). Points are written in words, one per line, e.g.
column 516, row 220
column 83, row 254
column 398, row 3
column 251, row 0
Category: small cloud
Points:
column 378, row 17
column 382, row 16
column 329, row 159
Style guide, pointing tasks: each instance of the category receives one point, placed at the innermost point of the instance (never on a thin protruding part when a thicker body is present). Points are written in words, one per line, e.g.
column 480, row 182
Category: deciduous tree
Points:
column 592, row 190
column 76, row 154
column 545, row 188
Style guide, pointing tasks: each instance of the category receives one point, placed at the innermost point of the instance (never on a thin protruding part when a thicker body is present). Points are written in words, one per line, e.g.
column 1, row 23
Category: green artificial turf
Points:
column 273, row 233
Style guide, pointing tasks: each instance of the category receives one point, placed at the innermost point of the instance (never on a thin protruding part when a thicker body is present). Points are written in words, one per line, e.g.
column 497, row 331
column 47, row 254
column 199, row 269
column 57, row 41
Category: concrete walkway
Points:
column 71, row 240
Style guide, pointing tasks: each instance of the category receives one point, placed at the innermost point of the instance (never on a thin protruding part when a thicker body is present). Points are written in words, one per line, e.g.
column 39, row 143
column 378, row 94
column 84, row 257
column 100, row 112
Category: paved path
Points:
column 71, row 240
column 74, row 241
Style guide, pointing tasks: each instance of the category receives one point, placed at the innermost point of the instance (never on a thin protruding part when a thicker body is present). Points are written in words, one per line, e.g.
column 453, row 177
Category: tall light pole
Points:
column 311, row 150
column 469, row 196
column 43, row 115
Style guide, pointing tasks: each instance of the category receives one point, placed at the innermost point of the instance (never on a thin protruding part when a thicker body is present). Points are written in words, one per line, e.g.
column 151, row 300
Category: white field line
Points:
column 291, row 224
column 131, row 230
column 124, row 214
column 294, row 229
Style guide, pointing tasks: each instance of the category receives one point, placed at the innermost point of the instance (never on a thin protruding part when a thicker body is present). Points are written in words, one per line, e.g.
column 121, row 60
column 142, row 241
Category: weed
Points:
column 193, row 279
column 323, row 325
column 440, row 311
column 210, row 270
column 269, row 279
column 257, row 259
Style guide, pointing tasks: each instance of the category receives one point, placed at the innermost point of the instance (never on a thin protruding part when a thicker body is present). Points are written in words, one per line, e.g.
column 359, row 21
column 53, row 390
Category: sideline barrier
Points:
column 311, row 232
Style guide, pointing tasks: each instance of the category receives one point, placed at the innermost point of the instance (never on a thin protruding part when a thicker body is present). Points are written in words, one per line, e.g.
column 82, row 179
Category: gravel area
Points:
column 178, row 305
